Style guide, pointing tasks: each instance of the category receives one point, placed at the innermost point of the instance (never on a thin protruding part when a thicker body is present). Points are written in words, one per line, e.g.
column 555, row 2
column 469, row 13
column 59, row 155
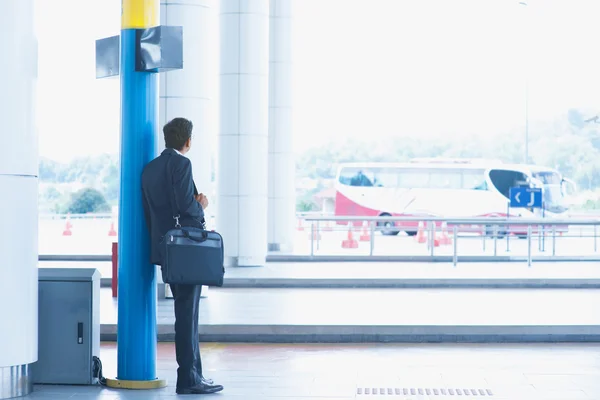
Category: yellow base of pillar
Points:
column 136, row 385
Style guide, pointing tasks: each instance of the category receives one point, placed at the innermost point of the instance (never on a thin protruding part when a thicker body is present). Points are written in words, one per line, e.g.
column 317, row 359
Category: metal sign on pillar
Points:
column 142, row 50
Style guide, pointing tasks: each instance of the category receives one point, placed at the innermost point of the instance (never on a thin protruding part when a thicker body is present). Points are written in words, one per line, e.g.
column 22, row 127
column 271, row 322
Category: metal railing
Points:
column 495, row 228
column 48, row 216
column 471, row 239
column 108, row 215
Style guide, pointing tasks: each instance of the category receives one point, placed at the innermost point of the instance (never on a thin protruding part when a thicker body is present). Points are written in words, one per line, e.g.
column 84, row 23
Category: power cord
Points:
column 97, row 371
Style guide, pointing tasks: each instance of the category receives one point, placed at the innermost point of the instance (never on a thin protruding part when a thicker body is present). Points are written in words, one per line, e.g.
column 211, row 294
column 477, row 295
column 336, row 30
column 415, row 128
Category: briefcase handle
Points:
column 198, row 240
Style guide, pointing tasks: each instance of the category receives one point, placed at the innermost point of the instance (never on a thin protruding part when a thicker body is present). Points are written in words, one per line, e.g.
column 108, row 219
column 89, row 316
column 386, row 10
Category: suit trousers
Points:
column 187, row 347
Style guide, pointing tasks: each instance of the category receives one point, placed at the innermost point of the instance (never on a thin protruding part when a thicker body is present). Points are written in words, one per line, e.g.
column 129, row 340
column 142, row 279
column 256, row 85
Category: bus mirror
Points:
column 568, row 187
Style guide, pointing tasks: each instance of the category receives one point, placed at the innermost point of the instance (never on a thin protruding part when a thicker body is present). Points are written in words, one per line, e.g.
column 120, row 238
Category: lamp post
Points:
column 526, row 68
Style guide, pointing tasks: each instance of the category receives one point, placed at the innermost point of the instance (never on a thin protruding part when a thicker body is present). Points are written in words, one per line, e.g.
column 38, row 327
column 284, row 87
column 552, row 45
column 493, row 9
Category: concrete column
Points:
column 190, row 92
column 282, row 196
column 242, row 190
column 18, row 199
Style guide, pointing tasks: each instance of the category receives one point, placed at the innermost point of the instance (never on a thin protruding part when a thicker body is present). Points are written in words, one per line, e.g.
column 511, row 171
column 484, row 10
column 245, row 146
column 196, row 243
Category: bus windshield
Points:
column 554, row 200
column 504, row 179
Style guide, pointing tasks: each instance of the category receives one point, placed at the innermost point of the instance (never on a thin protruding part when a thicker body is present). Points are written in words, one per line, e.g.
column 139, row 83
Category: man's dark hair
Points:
column 177, row 132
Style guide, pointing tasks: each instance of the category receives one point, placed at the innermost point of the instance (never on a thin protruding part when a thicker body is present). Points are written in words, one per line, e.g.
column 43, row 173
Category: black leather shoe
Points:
column 207, row 381
column 200, row 389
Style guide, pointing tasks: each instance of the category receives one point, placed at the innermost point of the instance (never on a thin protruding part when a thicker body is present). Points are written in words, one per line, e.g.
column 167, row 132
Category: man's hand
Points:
column 203, row 200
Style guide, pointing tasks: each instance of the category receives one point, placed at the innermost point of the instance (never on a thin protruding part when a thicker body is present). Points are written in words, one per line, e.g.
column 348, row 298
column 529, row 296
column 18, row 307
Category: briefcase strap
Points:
column 176, row 215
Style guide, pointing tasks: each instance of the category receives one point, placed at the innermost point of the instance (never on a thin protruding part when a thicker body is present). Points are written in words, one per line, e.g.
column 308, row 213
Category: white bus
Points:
column 451, row 188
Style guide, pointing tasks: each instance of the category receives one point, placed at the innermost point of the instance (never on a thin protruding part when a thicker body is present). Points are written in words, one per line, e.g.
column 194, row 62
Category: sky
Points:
column 376, row 69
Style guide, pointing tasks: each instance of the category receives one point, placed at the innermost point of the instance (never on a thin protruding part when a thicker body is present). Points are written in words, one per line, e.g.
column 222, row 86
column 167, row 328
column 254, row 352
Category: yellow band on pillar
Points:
column 136, row 14
column 136, row 385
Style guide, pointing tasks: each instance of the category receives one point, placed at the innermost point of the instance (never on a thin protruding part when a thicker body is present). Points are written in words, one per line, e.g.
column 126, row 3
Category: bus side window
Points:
column 474, row 180
column 385, row 177
column 360, row 179
column 416, row 179
column 354, row 177
column 344, row 180
column 481, row 186
column 441, row 179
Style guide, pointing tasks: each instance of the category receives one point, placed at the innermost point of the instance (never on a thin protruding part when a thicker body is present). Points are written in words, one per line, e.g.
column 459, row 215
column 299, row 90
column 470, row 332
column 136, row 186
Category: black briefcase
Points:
column 193, row 256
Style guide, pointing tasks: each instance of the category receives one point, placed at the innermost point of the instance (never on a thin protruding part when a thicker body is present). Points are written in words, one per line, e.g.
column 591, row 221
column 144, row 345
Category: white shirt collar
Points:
column 178, row 152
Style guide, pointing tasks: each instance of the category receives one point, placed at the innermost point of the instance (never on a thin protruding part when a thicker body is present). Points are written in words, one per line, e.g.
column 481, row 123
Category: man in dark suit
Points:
column 166, row 180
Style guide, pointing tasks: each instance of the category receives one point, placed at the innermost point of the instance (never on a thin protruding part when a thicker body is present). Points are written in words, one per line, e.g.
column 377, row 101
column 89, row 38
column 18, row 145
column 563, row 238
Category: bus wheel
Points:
column 387, row 227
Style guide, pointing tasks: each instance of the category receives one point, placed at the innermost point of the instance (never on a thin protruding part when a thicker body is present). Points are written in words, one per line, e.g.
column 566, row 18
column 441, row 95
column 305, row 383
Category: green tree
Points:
column 50, row 171
column 51, row 194
column 87, row 200
column 111, row 183
column 305, row 206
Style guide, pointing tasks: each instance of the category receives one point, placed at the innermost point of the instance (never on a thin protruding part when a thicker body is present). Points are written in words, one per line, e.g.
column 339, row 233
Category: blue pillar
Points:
column 136, row 331
column 137, row 56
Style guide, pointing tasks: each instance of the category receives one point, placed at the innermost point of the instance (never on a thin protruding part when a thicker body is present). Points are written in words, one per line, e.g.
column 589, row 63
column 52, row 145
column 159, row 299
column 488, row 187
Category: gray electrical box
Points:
column 68, row 326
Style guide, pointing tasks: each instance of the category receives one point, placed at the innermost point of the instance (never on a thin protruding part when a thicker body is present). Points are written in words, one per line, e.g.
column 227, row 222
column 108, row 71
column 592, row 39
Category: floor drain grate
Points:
column 424, row 391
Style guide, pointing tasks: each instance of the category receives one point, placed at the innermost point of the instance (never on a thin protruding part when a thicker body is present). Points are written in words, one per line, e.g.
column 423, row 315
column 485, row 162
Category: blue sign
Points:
column 525, row 197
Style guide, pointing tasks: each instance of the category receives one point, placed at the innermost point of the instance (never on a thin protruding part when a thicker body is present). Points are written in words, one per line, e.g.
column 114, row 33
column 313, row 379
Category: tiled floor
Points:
column 341, row 372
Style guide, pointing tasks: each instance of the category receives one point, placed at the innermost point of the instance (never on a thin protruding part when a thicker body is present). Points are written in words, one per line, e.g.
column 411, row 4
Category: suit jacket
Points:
column 157, row 198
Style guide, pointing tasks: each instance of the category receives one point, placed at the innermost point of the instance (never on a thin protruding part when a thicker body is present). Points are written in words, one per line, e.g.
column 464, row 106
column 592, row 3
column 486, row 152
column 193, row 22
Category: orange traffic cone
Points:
column 421, row 238
column 68, row 226
column 349, row 243
column 366, row 236
column 436, row 240
column 327, row 227
column 445, row 239
column 112, row 231
column 315, row 235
